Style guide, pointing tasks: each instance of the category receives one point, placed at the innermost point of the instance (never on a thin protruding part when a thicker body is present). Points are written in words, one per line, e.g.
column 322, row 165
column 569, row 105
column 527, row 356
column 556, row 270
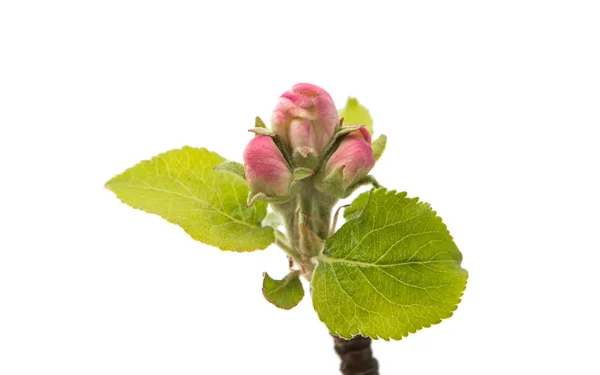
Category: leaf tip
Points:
column 109, row 184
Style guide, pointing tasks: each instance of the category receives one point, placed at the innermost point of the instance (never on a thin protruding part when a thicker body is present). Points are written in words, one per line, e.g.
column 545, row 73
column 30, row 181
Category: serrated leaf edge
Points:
column 111, row 183
column 453, row 305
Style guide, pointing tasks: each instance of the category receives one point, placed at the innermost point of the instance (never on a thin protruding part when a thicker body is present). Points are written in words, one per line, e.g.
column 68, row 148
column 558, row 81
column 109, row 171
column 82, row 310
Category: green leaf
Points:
column 183, row 187
column 392, row 271
column 357, row 206
column 355, row 113
column 378, row 146
column 285, row 293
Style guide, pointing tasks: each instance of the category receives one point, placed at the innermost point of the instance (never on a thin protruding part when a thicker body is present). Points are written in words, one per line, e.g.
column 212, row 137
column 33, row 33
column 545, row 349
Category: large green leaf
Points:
column 285, row 293
column 183, row 187
column 354, row 113
column 391, row 271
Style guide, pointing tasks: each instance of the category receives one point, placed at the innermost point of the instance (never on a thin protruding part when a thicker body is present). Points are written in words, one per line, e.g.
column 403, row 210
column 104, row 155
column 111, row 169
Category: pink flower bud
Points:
column 305, row 116
column 266, row 169
column 354, row 157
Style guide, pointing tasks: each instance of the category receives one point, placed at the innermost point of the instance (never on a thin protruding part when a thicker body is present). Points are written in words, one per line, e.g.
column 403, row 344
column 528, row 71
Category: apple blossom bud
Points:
column 351, row 162
column 305, row 116
column 266, row 169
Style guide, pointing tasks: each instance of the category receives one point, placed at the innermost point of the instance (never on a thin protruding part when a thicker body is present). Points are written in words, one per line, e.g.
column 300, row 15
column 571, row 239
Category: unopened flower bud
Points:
column 350, row 163
column 266, row 169
column 305, row 117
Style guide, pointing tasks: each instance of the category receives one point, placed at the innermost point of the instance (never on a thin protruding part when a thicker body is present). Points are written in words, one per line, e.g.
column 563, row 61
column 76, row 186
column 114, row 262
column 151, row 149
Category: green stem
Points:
column 312, row 208
column 318, row 205
column 355, row 354
column 280, row 241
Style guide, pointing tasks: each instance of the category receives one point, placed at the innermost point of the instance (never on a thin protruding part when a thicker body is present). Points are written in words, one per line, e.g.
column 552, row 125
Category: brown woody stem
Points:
column 356, row 355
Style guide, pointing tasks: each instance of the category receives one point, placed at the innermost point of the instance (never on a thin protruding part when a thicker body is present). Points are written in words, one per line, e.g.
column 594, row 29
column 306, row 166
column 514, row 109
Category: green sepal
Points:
column 336, row 139
column 305, row 157
column 302, row 173
column 333, row 184
column 286, row 293
column 355, row 113
column 263, row 131
column 254, row 197
column 378, row 146
column 232, row 167
column 346, row 129
column 259, row 123
column 284, row 150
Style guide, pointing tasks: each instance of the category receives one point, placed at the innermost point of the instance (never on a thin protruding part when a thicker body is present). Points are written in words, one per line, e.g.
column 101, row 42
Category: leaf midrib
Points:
column 190, row 197
column 326, row 259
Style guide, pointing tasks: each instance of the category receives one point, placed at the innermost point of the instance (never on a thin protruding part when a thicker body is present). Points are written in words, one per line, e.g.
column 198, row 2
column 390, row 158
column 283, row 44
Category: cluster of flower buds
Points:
column 307, row 140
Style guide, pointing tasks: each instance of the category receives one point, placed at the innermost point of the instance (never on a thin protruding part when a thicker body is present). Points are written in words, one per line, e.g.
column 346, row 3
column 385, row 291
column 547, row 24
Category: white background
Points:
column 491, row 109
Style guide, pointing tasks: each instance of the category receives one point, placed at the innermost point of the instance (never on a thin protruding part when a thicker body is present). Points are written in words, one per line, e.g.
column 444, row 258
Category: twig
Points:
column 356, row 355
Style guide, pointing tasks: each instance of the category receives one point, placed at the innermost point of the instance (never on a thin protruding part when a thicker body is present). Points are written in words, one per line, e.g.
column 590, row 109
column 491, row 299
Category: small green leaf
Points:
column 302, row 173
column 285, row 293
column 357, row 206
column 355, row 113
column 232, row 167
column 259, row 123
column 392, row 271
column 183, row 187
column 378, row 146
